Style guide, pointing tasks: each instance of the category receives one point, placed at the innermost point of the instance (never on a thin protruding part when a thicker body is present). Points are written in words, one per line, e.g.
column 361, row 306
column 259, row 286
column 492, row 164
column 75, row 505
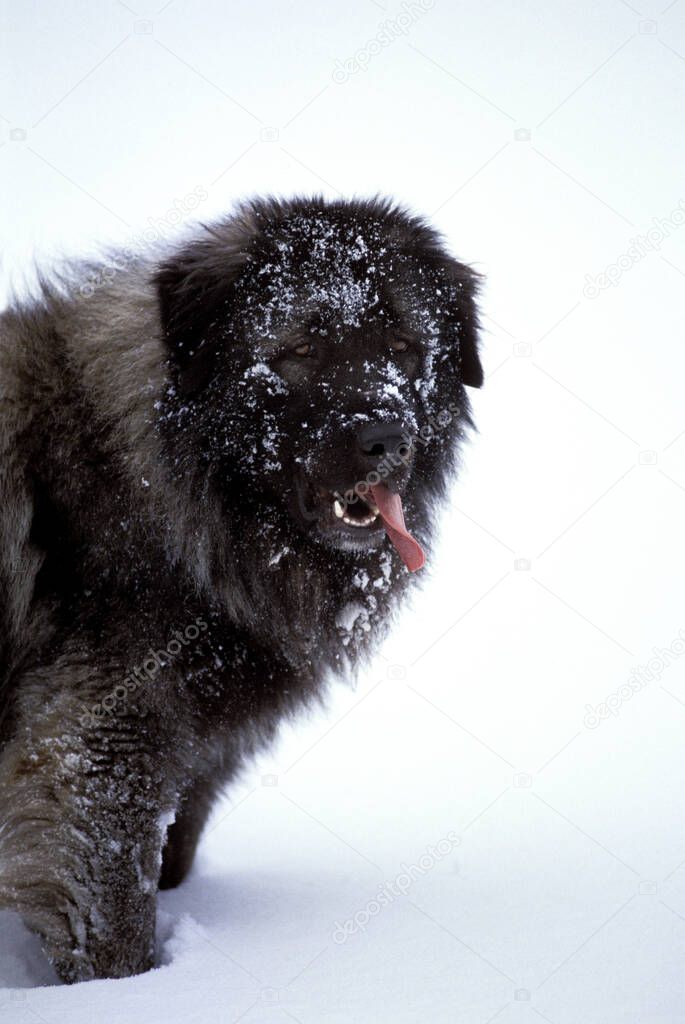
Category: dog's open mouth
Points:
column 360, row 513
column 356, row 522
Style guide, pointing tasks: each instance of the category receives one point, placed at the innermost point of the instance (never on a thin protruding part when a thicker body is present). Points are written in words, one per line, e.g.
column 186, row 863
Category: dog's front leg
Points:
column 84, row 807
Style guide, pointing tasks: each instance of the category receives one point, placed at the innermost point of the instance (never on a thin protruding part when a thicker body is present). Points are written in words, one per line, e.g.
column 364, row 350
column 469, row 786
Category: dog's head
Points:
column 318, row 355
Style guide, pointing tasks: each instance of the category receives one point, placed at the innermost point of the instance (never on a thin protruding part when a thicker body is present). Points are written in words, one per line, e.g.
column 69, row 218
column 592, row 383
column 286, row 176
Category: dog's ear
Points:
column 184, row 305
column 464, row 284
column 195, row 290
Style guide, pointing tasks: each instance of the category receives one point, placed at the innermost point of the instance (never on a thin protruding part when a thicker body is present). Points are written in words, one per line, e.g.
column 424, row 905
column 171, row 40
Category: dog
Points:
column 220, row 469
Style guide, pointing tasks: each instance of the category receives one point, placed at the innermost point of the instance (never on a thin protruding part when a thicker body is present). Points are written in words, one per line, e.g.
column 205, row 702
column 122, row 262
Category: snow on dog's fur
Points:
column 180, row 457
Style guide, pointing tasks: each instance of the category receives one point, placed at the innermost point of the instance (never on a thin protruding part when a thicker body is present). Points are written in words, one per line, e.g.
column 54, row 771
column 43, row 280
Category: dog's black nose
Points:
column 377, row 440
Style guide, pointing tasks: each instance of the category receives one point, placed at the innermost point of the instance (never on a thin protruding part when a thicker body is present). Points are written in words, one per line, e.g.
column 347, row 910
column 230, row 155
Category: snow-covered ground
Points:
column 469, row 835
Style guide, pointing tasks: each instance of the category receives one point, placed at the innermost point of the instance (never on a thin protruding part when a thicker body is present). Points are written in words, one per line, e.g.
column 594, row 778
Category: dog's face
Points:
column 327, row 363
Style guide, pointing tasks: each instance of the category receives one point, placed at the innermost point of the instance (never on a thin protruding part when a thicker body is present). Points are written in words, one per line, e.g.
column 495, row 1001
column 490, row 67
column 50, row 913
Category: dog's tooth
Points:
column 358, row 523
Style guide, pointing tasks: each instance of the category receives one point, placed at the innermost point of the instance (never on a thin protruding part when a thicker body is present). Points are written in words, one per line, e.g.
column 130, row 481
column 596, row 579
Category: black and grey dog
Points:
column 217, row 469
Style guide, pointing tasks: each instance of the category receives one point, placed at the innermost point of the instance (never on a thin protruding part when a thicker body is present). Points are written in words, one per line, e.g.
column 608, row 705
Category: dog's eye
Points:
column 399, row 345
column 304, row 350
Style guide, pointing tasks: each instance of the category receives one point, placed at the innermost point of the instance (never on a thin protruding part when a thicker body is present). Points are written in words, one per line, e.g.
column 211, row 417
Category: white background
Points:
column 540, row 138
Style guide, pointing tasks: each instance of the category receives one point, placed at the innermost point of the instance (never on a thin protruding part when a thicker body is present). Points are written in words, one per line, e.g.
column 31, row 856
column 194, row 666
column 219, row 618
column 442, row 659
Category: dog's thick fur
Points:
column 171, row 580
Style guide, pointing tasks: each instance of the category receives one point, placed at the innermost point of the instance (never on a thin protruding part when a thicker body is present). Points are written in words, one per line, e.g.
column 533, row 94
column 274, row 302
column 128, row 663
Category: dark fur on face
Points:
column 175, row 452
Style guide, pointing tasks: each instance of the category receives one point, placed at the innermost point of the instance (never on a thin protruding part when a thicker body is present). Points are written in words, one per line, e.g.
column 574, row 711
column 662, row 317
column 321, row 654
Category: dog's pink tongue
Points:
column 390, row 508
